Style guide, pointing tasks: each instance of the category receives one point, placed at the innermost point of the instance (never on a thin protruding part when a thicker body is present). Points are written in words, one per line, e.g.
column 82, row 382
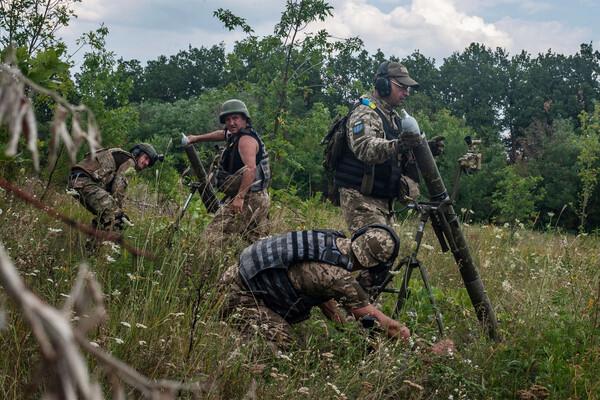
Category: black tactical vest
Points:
column 264, row 268
column 231, row 161
column 351, row 172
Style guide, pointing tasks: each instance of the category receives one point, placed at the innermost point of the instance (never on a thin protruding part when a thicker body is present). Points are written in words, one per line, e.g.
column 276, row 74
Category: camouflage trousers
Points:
column 359, row 210
column 250, row 315
column 98, row 201
column 252, row 223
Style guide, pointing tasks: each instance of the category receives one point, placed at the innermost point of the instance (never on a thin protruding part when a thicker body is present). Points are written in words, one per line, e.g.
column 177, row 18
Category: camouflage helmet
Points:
column 147, row 149
column 233, row 106
column 375, row 245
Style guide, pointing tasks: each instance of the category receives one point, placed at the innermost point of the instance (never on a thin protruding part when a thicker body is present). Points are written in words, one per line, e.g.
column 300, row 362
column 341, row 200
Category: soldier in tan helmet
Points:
column 243, row 175
column 99, row 182
column 279, row 279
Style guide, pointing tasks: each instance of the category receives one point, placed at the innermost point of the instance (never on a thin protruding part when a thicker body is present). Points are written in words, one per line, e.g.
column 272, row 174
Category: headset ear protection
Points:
column 382, row 82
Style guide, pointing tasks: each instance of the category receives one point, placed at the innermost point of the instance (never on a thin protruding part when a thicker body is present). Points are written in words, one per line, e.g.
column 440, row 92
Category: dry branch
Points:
column 60, row 342
column 99, row 234
column 18, row 113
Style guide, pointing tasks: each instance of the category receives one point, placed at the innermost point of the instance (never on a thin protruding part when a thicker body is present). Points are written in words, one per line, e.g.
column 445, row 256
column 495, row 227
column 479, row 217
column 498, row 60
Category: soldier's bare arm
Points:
column 393, row 328
column 366, row 138
column 214, row 136
column 332, row 311
column 248, row 148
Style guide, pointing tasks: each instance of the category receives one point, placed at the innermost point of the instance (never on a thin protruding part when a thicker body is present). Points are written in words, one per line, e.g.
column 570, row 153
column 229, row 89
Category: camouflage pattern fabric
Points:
column 324, row 281
column 373, row 247
column 250, row 315
column 99, row 202
column 252, row 223
column 359, row 210
column 366, row 136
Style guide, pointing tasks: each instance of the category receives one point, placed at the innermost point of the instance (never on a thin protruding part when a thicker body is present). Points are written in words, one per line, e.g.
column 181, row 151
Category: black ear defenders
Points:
column 382, row 82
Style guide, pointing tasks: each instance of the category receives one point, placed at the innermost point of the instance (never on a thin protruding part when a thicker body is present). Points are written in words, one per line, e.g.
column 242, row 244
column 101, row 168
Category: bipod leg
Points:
column 436, row 310
column 193, row 189
column 404, row 292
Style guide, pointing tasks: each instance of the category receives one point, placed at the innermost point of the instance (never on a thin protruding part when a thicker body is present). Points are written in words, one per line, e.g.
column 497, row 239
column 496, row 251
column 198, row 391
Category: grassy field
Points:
column 164, row 313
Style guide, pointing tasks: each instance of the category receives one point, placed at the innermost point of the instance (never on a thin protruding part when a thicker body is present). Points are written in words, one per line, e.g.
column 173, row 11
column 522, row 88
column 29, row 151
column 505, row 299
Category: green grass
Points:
column 544, row 287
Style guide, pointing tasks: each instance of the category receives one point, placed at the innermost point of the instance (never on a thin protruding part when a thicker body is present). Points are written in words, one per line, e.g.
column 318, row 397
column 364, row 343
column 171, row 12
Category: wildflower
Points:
column 142, row 343
column 127, row 324
column 304, row 390
column 327, row 355
column 116, row 292
column 506, row 286
column 110, row 259
column 138, row 325
column 53, row 230
column 550, row 214
column 427, row 246
column 119, row 340
column 283, row 356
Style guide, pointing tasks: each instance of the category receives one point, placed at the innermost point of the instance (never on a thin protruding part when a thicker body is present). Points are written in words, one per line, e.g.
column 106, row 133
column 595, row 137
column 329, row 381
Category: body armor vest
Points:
column 231, row 162
column 264, row 268
column 352, row 172
column 102, row 166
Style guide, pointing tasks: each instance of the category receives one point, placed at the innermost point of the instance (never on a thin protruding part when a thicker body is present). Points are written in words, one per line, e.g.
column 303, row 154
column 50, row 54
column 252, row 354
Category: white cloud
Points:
column 538, row 37
column 435, row 27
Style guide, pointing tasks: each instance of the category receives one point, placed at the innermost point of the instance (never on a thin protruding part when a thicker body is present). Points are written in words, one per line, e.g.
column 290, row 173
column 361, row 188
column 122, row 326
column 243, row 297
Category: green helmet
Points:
column 149, row 150
column 233, row 106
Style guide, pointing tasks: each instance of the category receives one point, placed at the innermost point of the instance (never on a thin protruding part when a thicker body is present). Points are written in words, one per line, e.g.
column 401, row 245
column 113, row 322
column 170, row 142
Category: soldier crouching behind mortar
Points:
column 278, row 280
column 99, row 182
column 243, row 175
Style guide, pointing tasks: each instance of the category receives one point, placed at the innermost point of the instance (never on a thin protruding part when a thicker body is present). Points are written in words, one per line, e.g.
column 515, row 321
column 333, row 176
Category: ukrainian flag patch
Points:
column 358, row 128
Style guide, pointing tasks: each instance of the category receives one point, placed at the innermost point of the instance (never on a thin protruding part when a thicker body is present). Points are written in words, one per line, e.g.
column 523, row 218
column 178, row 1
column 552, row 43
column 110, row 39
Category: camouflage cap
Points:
column 374, row 247
column 392, row 69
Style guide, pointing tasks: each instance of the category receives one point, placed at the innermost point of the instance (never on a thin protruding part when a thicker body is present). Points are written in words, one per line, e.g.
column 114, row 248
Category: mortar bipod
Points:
column 426, row 211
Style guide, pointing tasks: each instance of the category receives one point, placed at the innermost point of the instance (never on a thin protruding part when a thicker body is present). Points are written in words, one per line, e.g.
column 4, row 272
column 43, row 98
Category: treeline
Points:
column 536, row 114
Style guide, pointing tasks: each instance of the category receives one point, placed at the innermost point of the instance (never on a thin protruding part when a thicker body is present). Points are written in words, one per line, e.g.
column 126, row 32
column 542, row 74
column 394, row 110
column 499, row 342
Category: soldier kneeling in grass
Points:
column 278, row 280
column 99, row 182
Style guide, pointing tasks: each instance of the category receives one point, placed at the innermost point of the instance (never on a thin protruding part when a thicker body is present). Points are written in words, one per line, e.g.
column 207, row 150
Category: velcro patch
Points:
column 358, row 128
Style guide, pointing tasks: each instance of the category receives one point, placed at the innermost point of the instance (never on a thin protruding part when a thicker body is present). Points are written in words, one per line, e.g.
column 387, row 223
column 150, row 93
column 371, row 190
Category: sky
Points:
column 146, row 29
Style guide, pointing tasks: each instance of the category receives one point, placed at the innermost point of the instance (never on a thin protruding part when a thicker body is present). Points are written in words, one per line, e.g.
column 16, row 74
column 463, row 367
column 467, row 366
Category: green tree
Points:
column 32, row 24
column 516, row 196
column 587, row 162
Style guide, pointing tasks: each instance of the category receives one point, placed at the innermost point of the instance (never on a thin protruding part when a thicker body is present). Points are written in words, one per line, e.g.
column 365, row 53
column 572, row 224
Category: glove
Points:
column 184, row 140
column 436, row 144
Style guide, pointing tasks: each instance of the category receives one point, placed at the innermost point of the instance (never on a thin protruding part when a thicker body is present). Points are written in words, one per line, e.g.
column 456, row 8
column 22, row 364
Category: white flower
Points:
column 427, row 246
column 304, row 390
column 110, row 259
column 119, row 340
column 52, row 230
column 142, row 343
column 127, row 324
column 138, row 325
column 506, row 286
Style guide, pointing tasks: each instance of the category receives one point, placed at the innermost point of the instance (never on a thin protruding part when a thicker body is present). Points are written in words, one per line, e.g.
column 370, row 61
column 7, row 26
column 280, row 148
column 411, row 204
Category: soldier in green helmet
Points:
column 243, row 175
column 99, row 182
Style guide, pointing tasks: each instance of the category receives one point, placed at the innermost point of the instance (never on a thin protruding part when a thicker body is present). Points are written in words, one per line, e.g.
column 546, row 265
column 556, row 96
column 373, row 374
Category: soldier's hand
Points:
column 409, row 140
column 237, row 204
column 436, row 144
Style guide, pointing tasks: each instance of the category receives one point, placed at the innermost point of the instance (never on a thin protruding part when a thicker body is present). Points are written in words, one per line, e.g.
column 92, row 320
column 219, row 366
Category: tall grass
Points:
column 164, row 313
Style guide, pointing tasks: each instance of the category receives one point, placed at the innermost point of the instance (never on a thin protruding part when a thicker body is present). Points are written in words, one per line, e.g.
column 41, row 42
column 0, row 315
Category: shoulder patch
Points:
column 358, row 128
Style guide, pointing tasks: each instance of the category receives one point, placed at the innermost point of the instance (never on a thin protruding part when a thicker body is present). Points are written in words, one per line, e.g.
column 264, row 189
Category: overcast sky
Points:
column 146, row 29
